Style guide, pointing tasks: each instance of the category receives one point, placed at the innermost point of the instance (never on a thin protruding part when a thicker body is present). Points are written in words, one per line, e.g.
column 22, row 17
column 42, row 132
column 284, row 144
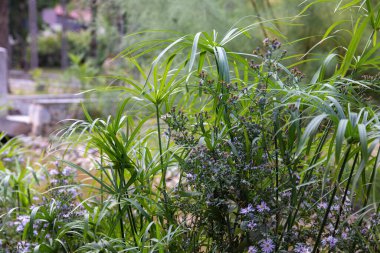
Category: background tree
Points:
column 33, row 33
column 4, row 31
column 64, row 44
column 93, row 46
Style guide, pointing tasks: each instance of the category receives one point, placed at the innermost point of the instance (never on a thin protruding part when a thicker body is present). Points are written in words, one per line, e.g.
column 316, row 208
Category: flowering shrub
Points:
column 240, row 189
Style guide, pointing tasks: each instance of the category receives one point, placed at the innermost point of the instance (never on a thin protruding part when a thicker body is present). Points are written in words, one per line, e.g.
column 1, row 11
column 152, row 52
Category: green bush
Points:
column 49, row 46
column 222, row 151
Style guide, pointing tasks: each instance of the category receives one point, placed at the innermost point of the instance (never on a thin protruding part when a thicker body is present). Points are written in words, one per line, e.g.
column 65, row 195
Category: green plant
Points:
column 214, row 150
column 84, row 71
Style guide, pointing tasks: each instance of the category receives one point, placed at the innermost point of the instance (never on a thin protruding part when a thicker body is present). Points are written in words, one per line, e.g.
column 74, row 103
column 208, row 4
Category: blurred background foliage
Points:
column 300, row 25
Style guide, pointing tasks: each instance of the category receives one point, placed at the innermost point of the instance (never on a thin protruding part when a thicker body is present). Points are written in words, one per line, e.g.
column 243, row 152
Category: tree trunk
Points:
column 4, row 37
column 33, row 33
column 93, row 44
column 254, row 5
column 64, row 45
column 4, row 32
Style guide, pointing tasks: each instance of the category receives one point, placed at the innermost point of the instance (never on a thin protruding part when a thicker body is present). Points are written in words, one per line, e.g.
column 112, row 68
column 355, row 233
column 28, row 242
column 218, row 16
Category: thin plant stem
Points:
column 313, row 161
column 291, row 218
column 369, row 187
column 163, row 168
column 121, row 223
column 129, row 210
column 101, row 178
column 120, row 218
column 277, row 171
column 345, row 193
column 324, row 221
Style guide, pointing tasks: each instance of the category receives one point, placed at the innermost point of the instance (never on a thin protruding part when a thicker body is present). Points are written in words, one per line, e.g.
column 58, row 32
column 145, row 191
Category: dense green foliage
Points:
column 217, row 150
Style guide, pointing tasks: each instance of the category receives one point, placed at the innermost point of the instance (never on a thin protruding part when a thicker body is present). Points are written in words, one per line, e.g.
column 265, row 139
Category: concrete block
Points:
column 14, row 128
column 39, row 116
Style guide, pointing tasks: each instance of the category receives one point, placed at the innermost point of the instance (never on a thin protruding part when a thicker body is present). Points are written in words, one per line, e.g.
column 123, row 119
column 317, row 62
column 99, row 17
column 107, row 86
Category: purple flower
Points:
column 331, row 241
column 252, row 249
column 54, row 181
column 335, row 207
column 322, row 205
column 191, row 177
column 262, row 207
column 330, row 227
column 251, row 225
column 276, row 44
column 67, row 171
column 7, row 159
column 302, row 248
column 73, row 192
column 267, row 245
column 246, row 210
column 23, row 247
column 21, row 222
column 53, row 172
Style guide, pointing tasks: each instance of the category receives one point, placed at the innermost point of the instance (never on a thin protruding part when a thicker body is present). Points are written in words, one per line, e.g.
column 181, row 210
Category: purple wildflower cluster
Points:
column 63, row 192
column 52, row 211
column 233, row 172
column 24, row 247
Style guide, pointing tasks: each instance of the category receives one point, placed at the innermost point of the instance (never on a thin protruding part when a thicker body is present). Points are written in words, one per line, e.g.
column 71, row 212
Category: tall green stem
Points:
column 129, row 209
column 163, row 168
column 121, row 223
column 292, row 217
column 318, row 240
column 277, row 171
column 368, row 192
column 345, row 193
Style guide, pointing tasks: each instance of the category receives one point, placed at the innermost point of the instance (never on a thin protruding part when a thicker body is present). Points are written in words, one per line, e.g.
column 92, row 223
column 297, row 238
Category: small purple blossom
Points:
column 251, row 225
column 54, row 181
column 276, row 44
column 73, row 192
column 21, row 222
column 262, row 207
column 286, row 194
column 252, row 249
column 322, row 205
column 23, row 247
column 191, row 177
column 266, row 41
column 331, row 241
column 330, row 227
column 53, row 172
column 68, row 171
column 267, row 245
column 247, row 210
column 302, row 248
column 335, row 207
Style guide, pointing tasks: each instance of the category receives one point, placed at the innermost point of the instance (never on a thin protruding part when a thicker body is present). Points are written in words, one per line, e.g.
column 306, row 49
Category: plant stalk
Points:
column 318, row 240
